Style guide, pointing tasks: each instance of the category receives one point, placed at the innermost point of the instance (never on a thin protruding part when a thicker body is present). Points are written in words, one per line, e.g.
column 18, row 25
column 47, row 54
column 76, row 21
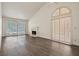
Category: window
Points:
column 11, row 26
column 61, row 25
column 15, row 26
column 21, row 26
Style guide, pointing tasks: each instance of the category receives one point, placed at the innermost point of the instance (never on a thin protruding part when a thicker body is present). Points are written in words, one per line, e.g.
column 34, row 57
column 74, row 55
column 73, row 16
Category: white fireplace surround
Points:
column 35, row 29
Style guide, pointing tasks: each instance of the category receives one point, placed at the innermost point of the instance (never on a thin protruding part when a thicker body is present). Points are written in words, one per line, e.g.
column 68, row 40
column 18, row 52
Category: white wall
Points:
column 0, row 25
column 42, row 19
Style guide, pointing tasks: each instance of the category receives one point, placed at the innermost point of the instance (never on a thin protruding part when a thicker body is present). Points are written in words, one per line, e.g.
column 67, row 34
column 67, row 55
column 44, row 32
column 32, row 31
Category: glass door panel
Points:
column 62, row 30
column 11, row 27
column 56, row 30
column 67, row 29
column 53, row 32
column 14, row 27
column 21, row 27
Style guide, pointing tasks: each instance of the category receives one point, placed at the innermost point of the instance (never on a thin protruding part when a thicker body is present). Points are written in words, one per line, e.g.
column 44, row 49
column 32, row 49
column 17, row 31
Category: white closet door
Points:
column 67, row 29
column 56, row 30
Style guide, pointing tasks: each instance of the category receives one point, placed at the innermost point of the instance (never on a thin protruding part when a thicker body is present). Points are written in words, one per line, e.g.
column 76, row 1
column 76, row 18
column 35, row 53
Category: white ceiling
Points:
column 21, row 10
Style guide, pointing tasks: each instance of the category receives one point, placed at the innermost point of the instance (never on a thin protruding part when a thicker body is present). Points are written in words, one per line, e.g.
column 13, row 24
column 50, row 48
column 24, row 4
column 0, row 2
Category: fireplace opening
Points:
column 33, row 32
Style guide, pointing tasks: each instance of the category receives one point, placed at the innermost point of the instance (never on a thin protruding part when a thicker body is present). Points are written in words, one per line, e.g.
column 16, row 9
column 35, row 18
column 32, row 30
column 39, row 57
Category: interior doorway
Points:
column 61, row 25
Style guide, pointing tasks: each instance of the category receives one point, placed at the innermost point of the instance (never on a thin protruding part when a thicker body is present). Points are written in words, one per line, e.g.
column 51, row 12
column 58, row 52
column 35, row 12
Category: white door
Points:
column 55, row 30
column 61, row 30
column 67, row 21
column 61, row 26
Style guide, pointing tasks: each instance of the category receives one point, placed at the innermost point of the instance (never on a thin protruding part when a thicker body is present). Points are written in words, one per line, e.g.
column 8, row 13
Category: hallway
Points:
column 28, row 46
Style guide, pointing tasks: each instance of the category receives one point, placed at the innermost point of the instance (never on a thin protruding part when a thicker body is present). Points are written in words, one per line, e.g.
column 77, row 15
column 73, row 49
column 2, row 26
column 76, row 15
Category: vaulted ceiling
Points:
column 21, row 10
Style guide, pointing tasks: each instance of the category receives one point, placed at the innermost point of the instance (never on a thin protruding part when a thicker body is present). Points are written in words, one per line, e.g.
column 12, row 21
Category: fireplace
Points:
column 33, row 32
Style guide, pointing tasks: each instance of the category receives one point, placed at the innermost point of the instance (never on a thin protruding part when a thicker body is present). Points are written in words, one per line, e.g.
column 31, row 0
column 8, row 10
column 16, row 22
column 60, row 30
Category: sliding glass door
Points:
column 15, row 27
column 11, row 26
column 61, row 25
column 21, row 27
